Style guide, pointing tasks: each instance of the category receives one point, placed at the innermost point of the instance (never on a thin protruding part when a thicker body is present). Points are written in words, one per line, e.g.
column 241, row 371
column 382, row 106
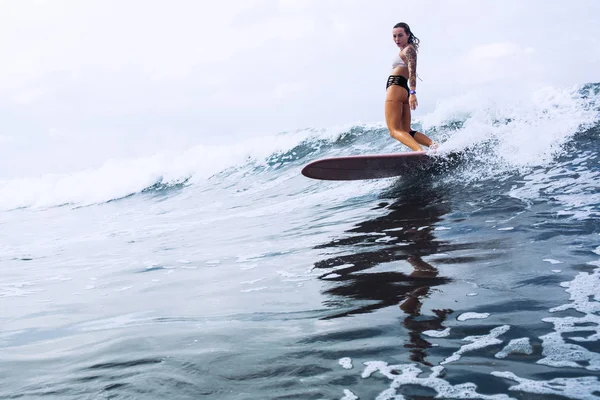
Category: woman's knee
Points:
column 395, row 132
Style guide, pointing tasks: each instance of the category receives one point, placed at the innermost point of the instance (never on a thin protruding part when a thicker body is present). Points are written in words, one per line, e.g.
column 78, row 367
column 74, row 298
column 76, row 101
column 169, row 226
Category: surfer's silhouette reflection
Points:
column 373, row 274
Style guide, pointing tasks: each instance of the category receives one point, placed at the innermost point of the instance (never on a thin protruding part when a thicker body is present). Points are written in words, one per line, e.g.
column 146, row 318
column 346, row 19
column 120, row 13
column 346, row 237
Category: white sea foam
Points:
column 552, row 261
column 524, row 134
column 251, row 282
column 583, row 388
column 472, row 315
column 516, row 346
column 437, row 334
column 15, row 289
column 257, row 289
column 117, row 178
column 478, row 342
column 408, row 374
column 583, row 288
column 585, row 295
column 527, row 130
column 577, row 193
column 348, row 395
column 557, row 353
column 345, row 362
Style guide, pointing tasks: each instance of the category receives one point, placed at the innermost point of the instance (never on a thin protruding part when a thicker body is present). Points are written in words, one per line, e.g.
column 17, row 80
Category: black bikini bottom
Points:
column 397, row 80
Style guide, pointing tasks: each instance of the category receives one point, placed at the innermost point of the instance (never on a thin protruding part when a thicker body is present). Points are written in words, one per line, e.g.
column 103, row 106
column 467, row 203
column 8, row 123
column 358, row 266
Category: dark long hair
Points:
column 412, row 39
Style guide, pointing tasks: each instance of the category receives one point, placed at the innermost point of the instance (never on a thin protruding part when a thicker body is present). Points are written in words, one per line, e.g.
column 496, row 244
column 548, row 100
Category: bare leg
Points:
column 420, row 137
column 423, row 139
column 394, row 105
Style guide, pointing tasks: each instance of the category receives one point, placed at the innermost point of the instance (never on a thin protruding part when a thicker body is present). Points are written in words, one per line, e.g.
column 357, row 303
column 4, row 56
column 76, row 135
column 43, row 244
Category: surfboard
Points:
column 374, row 166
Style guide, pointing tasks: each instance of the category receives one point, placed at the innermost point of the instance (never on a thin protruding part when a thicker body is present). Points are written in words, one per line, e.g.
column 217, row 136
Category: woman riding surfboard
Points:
column 401, row 94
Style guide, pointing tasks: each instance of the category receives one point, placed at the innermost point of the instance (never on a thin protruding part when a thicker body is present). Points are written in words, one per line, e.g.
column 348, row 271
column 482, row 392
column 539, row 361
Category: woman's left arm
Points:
column 411, row 56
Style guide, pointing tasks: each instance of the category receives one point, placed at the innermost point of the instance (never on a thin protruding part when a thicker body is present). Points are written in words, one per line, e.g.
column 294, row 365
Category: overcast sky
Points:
column 85, row 68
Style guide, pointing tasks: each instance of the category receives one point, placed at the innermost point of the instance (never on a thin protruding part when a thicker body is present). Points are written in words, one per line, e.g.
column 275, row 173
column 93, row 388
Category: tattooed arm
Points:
column 411, row 56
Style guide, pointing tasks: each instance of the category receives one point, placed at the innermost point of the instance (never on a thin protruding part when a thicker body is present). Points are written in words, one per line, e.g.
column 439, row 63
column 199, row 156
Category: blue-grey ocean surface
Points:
column 161, row 278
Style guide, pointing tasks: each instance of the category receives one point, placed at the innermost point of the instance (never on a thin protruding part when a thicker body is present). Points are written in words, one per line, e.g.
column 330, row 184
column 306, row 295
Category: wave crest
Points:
column 500, row 134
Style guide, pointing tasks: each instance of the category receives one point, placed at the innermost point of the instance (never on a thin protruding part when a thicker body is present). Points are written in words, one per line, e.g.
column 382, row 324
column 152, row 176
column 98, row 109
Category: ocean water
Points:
column 221, row 272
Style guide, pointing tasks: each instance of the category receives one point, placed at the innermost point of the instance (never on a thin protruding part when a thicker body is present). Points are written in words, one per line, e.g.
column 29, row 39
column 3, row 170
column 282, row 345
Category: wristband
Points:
column 413, row 92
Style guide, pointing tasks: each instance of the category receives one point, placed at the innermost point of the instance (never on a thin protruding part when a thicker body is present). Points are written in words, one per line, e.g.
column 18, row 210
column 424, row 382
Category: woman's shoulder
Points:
column 409, row 48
